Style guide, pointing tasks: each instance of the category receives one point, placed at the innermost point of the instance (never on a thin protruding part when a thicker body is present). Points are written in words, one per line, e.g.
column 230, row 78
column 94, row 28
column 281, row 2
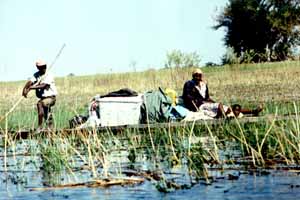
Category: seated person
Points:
column 196, row 97
column 92, row 119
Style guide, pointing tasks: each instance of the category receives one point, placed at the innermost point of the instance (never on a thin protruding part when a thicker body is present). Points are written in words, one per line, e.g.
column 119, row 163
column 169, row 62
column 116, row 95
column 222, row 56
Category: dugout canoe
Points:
column 24, row 134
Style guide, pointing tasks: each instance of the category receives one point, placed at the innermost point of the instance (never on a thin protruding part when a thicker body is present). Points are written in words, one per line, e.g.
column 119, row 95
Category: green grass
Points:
column 276, row 85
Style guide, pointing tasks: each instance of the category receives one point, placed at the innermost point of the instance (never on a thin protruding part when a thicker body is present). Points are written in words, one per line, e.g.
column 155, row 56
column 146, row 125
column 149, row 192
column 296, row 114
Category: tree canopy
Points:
column 269, row 29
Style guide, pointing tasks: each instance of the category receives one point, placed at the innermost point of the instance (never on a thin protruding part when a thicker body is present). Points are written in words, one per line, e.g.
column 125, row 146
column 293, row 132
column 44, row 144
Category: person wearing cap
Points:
column 196, row 98
column 196, row 94
column 43, row 84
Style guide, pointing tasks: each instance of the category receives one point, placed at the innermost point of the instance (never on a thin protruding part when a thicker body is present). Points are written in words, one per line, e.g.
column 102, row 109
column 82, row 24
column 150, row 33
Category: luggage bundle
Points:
column 127, row 107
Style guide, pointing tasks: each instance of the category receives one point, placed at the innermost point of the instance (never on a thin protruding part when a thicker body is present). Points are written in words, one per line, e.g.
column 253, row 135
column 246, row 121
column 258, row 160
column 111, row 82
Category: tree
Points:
column 266, row 29
column 177, row 58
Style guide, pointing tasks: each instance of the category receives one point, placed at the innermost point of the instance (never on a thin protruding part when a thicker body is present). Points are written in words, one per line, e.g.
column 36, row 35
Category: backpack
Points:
column 156, row 107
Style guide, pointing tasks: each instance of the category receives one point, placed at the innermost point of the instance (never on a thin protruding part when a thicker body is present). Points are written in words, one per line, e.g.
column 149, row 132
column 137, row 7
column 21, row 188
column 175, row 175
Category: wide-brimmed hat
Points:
column 40, row 63
column 197, row 71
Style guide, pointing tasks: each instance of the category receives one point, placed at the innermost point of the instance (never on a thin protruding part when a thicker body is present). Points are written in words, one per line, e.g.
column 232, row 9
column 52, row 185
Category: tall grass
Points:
column 276, row 85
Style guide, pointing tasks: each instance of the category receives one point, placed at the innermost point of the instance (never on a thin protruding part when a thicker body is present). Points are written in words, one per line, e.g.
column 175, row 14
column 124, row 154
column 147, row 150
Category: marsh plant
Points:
column 54, row 156
column 153, row 152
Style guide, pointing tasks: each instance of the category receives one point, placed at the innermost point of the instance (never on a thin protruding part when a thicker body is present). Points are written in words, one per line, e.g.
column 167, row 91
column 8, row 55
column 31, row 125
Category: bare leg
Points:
column 40, row 113
column 258, row 110
column 221, row 111
column 49, row 117
column 246, row 111
column 254, row 112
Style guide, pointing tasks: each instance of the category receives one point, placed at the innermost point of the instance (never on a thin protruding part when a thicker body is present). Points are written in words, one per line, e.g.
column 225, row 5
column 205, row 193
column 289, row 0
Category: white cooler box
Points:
column 117, row 111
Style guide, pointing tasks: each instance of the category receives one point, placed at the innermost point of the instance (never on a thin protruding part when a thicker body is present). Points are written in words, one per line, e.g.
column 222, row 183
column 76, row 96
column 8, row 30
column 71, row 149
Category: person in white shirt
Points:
column 43, row 84
column 196, row 98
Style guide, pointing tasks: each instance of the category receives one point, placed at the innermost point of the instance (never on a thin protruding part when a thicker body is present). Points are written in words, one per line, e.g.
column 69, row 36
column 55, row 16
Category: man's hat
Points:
column 40, row 63
column 197, row 71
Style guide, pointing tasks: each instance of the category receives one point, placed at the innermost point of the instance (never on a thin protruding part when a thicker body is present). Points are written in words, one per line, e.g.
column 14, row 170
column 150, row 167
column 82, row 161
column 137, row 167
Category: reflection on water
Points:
column 277, row 185
column 26, row 171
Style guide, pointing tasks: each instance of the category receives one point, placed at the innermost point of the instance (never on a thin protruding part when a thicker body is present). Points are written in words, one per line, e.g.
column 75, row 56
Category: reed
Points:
column 260, row 144
column 246, row 84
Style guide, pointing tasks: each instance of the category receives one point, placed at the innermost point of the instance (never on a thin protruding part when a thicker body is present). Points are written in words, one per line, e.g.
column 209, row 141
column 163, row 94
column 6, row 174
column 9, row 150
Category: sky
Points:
column 104, row 36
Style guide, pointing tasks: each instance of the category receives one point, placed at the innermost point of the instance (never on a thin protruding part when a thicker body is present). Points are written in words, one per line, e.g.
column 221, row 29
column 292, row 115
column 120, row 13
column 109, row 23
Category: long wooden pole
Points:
column 21, row 98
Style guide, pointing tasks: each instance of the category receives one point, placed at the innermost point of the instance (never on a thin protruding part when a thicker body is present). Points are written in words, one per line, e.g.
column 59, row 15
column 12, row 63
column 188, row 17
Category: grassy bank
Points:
column 265, row 143
column 274, row 84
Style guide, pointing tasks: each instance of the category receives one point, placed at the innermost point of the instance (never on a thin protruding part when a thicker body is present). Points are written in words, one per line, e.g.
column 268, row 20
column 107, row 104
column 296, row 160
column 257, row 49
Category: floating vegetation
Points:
column 166, row 158
column 172, row 158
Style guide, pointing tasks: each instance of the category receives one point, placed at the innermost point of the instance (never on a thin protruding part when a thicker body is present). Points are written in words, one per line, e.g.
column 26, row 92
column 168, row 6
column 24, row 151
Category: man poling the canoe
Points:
column 46, row 91
column 45, row 88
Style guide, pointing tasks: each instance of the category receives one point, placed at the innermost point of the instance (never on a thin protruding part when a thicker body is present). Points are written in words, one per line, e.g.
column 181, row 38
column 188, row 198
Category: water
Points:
column 25, row 173
column 276, row 185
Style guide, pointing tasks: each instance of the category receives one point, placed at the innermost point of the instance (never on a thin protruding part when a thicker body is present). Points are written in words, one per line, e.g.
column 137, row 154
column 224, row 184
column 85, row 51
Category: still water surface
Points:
column 17, row 184
column 277, row 185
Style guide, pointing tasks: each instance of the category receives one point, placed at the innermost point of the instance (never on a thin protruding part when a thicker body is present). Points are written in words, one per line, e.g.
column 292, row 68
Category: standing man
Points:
column 43, row 84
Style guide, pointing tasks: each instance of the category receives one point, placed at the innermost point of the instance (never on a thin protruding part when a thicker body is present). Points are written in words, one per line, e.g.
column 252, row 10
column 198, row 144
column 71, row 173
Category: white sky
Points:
column 103, row 36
